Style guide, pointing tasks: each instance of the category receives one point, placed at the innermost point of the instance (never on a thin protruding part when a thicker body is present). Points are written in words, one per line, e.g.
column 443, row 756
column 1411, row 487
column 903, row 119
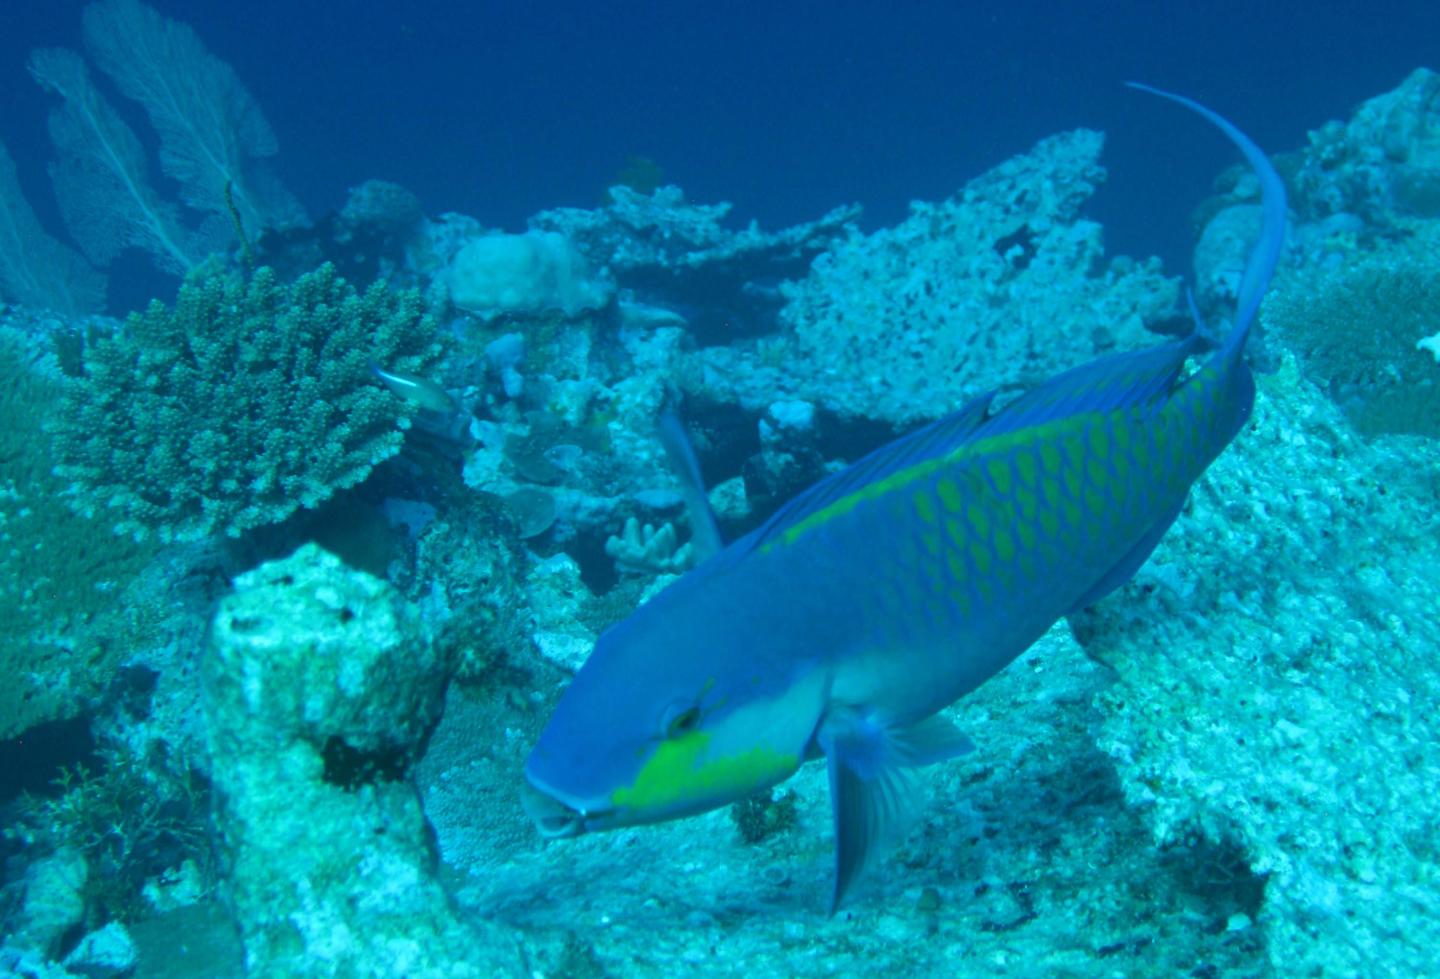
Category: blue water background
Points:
column 500, row 109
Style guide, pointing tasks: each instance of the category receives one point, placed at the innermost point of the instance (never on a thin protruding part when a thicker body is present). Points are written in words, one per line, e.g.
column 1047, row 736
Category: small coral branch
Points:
column 644, row 547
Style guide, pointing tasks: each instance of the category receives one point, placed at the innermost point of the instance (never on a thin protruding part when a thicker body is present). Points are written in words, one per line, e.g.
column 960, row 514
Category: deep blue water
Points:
column 500, row 109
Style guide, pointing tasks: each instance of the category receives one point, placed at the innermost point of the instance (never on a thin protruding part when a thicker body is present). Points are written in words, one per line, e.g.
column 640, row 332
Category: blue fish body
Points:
column 886, row 592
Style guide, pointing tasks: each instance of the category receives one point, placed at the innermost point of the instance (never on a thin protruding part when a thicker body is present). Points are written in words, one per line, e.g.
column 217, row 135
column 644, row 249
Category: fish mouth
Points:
column 553, row 818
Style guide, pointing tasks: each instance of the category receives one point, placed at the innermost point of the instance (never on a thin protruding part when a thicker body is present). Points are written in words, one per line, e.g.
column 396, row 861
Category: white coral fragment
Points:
column 645, row 547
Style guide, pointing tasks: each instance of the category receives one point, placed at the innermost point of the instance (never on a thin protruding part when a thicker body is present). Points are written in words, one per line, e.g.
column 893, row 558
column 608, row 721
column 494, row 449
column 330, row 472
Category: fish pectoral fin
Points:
column 868, row 815
column 932, row 740
column 873, row 789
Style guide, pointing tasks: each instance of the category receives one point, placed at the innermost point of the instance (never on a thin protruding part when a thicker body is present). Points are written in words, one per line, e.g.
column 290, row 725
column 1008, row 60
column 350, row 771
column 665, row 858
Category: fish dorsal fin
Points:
column 680, row 453
column 931, row 441
column 1138, row 379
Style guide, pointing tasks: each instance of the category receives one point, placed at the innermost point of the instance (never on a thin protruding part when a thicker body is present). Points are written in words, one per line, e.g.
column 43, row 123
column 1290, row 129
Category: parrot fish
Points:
column 844, row 624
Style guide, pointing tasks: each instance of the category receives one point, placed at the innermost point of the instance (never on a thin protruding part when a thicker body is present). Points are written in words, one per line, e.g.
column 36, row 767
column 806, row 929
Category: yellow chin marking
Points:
column 675, row 774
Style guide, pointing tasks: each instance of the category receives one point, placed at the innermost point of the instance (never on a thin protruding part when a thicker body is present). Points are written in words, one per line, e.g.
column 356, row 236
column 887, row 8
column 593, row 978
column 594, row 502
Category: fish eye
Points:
column 683, row 723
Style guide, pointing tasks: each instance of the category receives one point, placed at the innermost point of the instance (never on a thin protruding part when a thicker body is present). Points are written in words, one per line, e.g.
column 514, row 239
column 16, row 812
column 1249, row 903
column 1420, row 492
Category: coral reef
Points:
column 999, row 286
column 320, row 686
column 1382, row 166
column 1359, row 299
column 1257, row 842
column 1355, row 300
column 1224, row 769
column 246, row 401
column 660, row 245
column 1359, row 330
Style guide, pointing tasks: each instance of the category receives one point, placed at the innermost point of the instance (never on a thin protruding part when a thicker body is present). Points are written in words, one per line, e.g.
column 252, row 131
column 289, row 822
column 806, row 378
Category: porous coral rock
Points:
column 1277, row 687
column 320, row 685
column 527, row 274
column 556, row 595
column 1383, row 164
column 54, row 901
column 105, row 953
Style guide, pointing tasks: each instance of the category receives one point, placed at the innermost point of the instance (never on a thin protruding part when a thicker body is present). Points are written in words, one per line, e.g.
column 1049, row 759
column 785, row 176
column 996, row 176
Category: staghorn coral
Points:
column 244, row 402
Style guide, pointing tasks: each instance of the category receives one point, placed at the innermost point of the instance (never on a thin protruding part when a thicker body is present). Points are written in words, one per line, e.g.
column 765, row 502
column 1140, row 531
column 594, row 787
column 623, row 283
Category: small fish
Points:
column 416, row 389
column 884, row 593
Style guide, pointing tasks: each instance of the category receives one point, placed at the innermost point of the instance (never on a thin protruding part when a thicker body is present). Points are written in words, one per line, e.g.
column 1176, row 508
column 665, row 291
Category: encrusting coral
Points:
column 242, row 403
column 64, row 582
column 1360, row 330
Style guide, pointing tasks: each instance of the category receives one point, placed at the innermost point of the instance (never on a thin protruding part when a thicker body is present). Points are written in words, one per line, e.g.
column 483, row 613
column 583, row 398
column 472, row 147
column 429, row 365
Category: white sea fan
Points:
column 212, row 133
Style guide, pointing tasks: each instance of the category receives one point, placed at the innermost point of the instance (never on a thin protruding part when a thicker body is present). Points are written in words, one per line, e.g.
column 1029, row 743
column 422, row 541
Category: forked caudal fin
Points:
column 1265, row 255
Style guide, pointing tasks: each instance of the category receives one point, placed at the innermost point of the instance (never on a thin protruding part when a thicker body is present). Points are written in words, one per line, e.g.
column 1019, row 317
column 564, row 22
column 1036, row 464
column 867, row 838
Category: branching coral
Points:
column 244, row 402
column 649, row 548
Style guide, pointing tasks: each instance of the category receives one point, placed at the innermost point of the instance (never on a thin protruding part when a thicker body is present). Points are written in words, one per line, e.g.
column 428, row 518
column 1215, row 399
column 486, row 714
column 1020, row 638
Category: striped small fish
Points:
column 891, row 589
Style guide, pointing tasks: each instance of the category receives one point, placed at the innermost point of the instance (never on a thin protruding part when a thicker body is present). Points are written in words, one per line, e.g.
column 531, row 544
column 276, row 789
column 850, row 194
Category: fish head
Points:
column 663, row 722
